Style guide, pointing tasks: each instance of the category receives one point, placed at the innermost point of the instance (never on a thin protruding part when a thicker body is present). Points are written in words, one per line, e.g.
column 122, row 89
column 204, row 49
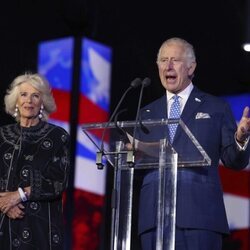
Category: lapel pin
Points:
column 197, row 99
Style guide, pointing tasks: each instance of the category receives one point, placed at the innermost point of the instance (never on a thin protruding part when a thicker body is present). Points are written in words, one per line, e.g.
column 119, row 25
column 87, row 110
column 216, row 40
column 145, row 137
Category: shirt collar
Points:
column 184, row 94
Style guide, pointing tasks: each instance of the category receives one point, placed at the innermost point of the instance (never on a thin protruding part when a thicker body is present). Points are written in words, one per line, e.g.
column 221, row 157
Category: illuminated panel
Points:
column 89, row 181
column 236, row 188
column 55, row 63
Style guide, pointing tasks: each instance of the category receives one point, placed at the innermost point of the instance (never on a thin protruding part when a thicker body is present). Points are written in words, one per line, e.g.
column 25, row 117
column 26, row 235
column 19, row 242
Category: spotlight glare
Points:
column 246, row 47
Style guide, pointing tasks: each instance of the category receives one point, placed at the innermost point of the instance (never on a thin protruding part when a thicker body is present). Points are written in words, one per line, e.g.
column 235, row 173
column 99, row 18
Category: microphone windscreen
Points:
column 146, row 82
column 136, row 83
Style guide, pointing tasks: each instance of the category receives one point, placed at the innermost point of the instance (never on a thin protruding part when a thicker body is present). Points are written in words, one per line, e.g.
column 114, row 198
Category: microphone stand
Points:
column 134, row 84
column 122, row 208
column 115, row 195
column 130, row 156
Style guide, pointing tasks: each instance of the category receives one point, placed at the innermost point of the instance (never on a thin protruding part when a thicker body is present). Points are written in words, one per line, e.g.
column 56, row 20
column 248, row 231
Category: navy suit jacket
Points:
column 199, row 193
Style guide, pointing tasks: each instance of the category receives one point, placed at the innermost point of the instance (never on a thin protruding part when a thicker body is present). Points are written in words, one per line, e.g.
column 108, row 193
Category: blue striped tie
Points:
column 175, row 113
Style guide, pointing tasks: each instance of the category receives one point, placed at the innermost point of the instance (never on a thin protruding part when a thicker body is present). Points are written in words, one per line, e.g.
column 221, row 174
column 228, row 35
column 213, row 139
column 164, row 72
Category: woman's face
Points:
column 29, row 101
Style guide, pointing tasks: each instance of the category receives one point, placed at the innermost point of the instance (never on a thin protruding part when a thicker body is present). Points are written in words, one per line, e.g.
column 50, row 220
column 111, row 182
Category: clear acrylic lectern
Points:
column 135, row 148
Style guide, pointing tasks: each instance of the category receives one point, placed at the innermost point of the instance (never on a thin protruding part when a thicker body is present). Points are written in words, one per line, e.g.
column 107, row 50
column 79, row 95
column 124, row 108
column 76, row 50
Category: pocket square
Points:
column 201, row 115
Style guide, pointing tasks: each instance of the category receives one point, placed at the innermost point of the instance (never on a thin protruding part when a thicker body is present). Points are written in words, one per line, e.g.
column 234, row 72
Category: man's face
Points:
column 175, row 68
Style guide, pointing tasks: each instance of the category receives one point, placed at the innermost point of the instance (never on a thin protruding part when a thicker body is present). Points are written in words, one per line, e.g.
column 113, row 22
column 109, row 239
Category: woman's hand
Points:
column 16, row 212
column 9, row 200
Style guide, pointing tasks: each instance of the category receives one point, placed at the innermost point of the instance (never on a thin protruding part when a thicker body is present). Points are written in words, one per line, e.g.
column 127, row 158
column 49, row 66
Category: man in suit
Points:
column 200, row 213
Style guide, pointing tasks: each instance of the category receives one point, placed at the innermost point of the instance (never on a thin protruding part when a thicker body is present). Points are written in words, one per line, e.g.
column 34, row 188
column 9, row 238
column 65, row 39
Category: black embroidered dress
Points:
column 38, row 157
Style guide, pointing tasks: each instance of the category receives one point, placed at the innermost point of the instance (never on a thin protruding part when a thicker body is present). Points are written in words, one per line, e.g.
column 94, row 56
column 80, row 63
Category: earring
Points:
column 41, row 112
column 16, row 112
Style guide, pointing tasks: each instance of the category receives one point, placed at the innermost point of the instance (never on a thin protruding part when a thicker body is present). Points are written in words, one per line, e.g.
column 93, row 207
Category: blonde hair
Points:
column 36, row 81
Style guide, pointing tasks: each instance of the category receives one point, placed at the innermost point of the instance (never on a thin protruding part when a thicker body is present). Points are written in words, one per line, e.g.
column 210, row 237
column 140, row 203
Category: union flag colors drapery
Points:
column 236, row 187
column 57, row 63
column 90, row 182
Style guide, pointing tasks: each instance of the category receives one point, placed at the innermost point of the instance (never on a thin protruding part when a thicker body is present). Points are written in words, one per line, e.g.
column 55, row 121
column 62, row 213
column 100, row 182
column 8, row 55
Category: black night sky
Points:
column 135, row 31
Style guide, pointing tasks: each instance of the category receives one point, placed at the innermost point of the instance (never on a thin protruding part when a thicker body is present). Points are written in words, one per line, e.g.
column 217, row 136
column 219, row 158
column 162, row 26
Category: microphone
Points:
column 133, row 85
column 145, row 83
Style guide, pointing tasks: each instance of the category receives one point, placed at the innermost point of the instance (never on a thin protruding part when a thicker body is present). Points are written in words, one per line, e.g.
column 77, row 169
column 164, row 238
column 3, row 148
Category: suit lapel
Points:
column 195, row 99
column 161, row 108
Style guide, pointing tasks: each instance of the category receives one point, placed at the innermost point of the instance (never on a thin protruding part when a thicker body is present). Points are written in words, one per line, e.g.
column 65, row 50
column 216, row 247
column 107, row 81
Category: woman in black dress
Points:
column 34, row 168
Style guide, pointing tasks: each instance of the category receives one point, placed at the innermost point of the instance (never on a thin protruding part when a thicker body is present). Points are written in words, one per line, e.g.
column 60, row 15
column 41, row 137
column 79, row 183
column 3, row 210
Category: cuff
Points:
column 243, row 145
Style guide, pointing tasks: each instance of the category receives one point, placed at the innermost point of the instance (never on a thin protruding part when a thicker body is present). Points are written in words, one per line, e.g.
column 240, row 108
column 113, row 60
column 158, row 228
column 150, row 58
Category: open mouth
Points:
column 170, row 78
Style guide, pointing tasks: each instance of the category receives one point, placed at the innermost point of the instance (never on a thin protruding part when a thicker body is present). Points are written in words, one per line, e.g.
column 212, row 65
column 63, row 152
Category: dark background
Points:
column 135, row 30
